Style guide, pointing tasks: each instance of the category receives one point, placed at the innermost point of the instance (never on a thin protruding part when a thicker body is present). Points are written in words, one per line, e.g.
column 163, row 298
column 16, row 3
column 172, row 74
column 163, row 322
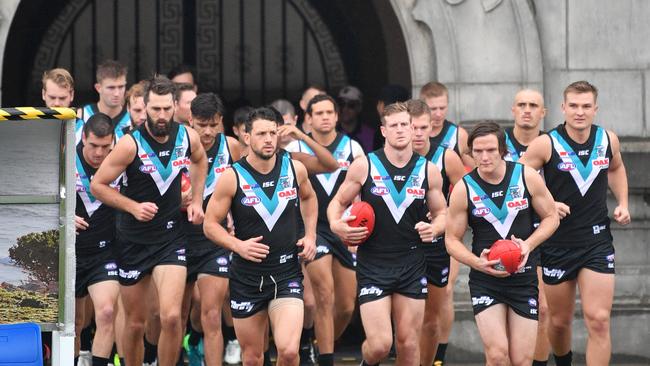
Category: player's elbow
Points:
column 95, row 188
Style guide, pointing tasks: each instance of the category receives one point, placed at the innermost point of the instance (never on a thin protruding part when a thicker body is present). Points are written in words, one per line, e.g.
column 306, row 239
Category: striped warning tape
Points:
column 28, row 113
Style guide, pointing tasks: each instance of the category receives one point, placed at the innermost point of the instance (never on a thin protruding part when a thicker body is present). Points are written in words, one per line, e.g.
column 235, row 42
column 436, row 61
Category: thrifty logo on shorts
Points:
column 483, row 300
column 132, row 274
column 247, row 306
column 555, row 272
column 372, row 290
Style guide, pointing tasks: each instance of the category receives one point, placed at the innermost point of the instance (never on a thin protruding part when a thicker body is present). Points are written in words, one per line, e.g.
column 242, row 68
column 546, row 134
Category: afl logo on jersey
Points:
column 250, row 200
column 379, row 191
column 481, row 211
column 566, row 166
column 148, row 168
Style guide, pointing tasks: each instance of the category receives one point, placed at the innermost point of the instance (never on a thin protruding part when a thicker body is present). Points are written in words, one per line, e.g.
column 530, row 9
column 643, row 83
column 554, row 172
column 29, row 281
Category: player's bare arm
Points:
column 115, row 163
column 235, row 148
column 453, row 166
column 349, row 189
column 308, row 211
column 321, row 162
column 437, row 206
column 218, row 207
column 463, row 149
column 617, row 181
column 455, row 229
column 198, row 171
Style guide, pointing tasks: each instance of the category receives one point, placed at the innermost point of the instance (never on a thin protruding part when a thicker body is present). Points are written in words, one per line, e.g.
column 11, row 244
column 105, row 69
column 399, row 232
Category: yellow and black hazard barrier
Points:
column 30, row 113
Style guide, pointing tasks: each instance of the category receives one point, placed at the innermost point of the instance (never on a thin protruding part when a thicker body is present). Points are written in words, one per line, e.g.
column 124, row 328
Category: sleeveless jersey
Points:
column 498, row 211
column 397, row 196
column 327, row 184
column 120, row 121
column 266, row 205
column 515, row 149
column 576, row 174
column 154, row 175
column 100, row 218
column 436, row 155
column 219, row 160
column 448, row 137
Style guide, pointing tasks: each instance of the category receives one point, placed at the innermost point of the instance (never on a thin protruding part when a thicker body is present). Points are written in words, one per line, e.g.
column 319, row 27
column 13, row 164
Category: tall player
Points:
column 334, row 264
column 95, row 224
column 497, row 200
column 580, row 160
column 527, row 112
column 390, row 269
column 151, row 241
column 439, row 302
column 262, row 192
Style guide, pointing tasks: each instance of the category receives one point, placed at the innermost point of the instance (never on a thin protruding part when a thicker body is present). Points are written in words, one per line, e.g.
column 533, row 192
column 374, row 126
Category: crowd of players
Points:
column 175, row 219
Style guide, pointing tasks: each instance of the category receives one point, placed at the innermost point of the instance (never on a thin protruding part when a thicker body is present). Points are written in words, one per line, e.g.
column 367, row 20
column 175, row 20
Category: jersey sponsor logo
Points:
column 268, row 184
column 322, row 249
column 610, row 260
column 553, row 272
column 497, row 194
column 514, row 191
column 289, row 193
column 170, row 224
column 380, row 191
column 250, row 200
column 583, row 152
column 293, row 284
column 344, row 164
column 181, row 162
column 567, row 153
column 148, row 168
column 285, row 257
column 416, row 192
column 216, row 166
column 222, row 261
column 372, row 290
column 163, row 153
column 532, row 302
column 399, row 178
column 566, row 166
column 102, row 243
column 481, row 211
column 603, row 162
column 423, row 281
column 597, row 229
column 479, row 198
column 246, row 306
column 444, row 271
column 518, row 204
column 483, row 300
column 132, row 274
column 110, row 266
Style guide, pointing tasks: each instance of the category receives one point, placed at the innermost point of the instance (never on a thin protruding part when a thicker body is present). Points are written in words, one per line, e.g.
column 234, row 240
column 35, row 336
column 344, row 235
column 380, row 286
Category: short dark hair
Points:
column 266, row 113
column 580, row 87
column 99, row 124
column 484, row 128
column 110, row 69
column 181, row 69
column 160, row 85
column 206, row 105
column 180, row 88
column 241, row 115
column 417, row 108
column 320, row 98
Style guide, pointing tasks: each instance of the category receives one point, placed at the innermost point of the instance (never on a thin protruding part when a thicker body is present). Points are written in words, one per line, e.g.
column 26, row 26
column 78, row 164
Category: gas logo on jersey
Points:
column 518, row 204
column 416, row 192
column 288, row 193
column 481, row 211
column 566, row 166
column 148, row 168
column 181, row 162
column 221, row 169
column 344, row 164
column 602, row 162
column 379, row 191
column 250, row 200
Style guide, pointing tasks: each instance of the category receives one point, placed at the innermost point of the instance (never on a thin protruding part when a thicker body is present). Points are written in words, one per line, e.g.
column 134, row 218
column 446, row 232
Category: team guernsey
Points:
column 576, row 174
column 498, row 211
column 390, row 261
column 203, row 256
column 265, row 205
column 154, row 176
column 325, row 185
column 448, row 137
column 94, row 246
column 121, row 122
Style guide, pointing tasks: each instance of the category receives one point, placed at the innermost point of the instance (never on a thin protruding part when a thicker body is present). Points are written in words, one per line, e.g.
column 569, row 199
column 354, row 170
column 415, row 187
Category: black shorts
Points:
column 376, row 282
column 136, row 261
column 251, row 294
column 91, row 269
column 331, row 245
column 437, row 262
column 521, row 298
column 214, row 261
column 564, row 264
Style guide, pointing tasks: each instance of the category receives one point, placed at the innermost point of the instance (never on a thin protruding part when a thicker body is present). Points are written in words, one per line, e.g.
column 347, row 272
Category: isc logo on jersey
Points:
column 481, row 211
column 289, row 194
column 415, row 192
column 566, row 166
column 518, row 204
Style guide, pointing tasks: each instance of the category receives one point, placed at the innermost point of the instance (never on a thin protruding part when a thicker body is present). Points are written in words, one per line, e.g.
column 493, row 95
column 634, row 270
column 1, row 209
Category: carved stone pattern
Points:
column 488, row 5
column 171, row 34
column 207, row 43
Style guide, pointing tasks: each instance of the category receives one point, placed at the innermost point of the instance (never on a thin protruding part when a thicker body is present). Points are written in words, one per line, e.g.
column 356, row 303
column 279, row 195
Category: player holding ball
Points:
column 497, row 200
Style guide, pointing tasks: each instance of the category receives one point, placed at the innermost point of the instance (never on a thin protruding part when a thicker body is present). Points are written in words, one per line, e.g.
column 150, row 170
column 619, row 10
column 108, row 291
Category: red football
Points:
column 508, row 252
column 186, row 184
column 364, row 216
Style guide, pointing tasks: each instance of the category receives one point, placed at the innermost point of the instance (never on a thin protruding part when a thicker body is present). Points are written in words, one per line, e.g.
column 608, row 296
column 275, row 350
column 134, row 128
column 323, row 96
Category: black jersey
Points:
column 448, row 137
column 436, row 155
column 498, row 211
column 120, row 122
column 154, row 175
column 515, row 149
column 100, row 218
column 219, row 159
column 576, row 174
column 397, row 196
column 266, row 205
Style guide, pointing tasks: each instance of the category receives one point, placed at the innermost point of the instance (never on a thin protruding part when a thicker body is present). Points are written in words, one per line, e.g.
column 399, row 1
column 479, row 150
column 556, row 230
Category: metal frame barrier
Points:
column 63, row 331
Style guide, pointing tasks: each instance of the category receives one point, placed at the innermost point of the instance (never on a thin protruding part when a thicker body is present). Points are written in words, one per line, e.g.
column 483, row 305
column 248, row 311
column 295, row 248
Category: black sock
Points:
column 150, row 351
column 539, row 363
column 267, row 358
column 326, row 359
column 195, row 337
column 228, row 333
column 364, row 363
column 86, row 338
column 76, row 360
column 100, row 361
column 181, row 357
column 122, row 361
column 440, row 352
column 305, row 336
column 563, row 360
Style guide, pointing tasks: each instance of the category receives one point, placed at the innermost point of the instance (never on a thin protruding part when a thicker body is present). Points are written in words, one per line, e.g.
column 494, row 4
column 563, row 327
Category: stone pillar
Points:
column 7, row 11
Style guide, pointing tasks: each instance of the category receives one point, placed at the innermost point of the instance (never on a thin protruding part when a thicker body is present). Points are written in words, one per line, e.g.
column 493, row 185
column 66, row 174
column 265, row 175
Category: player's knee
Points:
column 543, row 314
column 105, row 315
column 135, row 326
column 497, row 355
column 430, row 326
column 170, row 319
column 211, row 319
column 597, row 322
column 252, row 358
column 561, row 321
column 407, row 345
column 379, row 346
column 323, row 294
column 521, row 359
column 287, row 355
